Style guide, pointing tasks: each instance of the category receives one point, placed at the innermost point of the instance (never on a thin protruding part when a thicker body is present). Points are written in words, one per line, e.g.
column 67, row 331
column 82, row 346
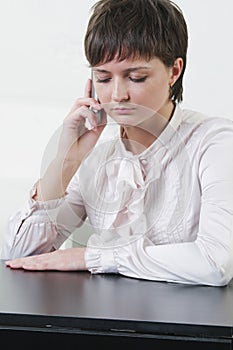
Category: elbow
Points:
column 218, row 270
column 220, row 280
column 221, row 275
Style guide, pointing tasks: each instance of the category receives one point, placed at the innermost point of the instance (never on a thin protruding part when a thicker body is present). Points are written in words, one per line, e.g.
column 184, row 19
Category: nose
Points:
column 120, row 91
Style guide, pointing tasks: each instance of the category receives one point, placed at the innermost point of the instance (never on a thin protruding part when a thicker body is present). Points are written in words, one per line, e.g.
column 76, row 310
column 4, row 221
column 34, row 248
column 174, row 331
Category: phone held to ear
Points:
column 98, row 113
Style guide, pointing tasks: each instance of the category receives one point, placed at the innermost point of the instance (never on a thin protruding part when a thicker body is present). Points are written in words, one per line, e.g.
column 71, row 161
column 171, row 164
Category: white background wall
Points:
column 43, row 70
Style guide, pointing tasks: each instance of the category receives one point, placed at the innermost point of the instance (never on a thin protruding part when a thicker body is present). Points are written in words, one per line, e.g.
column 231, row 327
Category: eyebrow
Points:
column 128, row 70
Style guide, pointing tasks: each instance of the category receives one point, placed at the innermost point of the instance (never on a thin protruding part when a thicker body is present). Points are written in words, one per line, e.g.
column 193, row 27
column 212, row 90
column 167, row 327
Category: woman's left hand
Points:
column 71, row 259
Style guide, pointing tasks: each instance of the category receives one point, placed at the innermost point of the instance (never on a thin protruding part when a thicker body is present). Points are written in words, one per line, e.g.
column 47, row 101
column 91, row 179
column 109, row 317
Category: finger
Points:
column 18, row 262
column 36, row 262
column 87, row 114
column 88, row 88
column 92, row 118
column 15, row 264
column 85, row 101
column 35, row 265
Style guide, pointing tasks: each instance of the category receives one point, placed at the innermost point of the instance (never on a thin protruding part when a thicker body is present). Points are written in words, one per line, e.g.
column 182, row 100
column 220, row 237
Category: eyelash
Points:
column 140, row 80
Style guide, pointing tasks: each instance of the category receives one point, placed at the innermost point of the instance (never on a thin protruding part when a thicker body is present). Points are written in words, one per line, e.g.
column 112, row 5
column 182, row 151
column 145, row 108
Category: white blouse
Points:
column 165, row 214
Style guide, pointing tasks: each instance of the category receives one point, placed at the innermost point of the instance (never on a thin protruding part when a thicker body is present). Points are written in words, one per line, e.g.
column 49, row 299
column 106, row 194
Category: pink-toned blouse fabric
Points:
column 165, row 214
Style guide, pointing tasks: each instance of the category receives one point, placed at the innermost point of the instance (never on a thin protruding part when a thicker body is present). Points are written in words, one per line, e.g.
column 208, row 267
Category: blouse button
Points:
column 144, row 161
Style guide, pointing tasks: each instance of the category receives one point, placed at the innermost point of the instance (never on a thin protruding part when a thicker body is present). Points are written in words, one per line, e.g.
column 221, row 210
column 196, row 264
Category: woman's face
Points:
column 127, row 88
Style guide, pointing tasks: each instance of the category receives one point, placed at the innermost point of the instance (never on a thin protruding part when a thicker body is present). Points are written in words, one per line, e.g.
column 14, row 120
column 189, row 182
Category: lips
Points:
column 123, row 110
column 127, row 113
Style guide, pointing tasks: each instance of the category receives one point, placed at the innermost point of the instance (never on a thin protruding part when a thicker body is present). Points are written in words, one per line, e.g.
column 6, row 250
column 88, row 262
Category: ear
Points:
column 176, row 70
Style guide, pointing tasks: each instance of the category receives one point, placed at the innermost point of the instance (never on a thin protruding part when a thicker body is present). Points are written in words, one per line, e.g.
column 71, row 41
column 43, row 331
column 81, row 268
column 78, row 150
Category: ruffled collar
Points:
column 125, row 179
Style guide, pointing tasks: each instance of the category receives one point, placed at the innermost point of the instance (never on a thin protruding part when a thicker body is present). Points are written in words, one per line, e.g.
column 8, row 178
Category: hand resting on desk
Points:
column 64, row 260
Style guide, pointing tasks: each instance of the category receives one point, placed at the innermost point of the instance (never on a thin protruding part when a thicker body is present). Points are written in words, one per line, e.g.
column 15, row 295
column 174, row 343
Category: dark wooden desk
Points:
column 70, row 308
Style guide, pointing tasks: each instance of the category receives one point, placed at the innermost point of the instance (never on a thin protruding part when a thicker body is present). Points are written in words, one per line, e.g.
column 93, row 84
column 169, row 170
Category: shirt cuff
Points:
column 100, row 259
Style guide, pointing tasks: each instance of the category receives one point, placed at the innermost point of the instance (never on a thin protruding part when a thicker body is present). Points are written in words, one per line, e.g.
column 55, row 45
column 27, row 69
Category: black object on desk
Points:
column 69, row 308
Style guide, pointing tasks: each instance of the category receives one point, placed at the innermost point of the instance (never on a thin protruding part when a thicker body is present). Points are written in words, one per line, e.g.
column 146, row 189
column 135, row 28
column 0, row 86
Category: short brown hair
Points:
column 137, row 29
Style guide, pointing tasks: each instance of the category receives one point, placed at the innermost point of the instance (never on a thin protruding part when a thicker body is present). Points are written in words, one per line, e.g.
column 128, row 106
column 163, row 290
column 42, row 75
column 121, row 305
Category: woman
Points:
column 158, row 193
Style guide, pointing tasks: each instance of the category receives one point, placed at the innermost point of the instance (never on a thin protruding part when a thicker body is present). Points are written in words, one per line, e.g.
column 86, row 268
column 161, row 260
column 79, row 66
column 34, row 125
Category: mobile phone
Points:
column 93, row 94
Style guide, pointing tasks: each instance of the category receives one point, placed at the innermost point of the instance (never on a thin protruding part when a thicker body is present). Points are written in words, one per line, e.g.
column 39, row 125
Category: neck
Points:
column 138, row 138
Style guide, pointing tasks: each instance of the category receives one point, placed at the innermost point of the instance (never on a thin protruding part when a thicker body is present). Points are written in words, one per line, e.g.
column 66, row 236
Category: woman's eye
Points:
column 105, row 80
column 138, row 80
column 133, row 79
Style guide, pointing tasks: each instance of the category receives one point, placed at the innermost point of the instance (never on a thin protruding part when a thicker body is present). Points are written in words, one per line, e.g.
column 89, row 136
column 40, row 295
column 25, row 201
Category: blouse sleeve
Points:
column 41, row 227
column 209, row 259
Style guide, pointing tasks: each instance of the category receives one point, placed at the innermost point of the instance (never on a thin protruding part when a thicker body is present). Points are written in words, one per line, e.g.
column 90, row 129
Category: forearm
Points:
column 56, row 179
column 75, row 142
column 188, row 263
